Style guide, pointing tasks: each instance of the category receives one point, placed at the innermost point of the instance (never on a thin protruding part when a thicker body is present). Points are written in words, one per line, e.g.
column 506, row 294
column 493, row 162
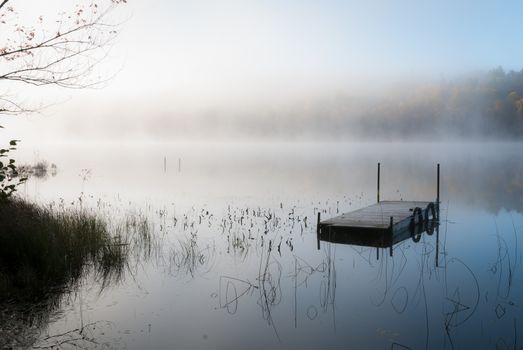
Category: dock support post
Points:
column 391, row 234
column 437, row 196
column 378, row 182
column 377, row 253
column 437, row 244
column 318, row 230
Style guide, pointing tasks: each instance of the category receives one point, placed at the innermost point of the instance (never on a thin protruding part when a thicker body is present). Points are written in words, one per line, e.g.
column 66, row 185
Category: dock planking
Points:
column 377, row 215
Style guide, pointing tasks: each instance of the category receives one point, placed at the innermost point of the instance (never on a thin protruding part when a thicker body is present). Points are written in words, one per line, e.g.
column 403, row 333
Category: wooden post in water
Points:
column 378, row 182
column 164, row 164
column 318, row 230
column 437, row 243
column 391, row 234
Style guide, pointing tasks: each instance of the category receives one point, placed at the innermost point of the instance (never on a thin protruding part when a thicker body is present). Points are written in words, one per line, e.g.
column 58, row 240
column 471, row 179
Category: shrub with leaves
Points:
column 9, row 177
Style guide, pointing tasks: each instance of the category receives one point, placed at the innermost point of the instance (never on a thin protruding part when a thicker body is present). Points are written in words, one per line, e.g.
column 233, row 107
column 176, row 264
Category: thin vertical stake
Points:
column 378, row 182
column 437, row 244
column 164, row 164
column 391, row 233
column 318, row 230
column 179, row 165
column 437, row 198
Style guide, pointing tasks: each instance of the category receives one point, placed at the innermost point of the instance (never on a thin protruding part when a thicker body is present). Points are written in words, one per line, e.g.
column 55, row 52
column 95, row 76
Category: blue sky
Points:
column 205, row 43
column 202, row 48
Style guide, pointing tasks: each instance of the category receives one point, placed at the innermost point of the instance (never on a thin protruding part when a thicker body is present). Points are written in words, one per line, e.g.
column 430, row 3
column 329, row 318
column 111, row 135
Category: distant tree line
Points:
column 486, row 105
column 489, row 104
column 480, row 105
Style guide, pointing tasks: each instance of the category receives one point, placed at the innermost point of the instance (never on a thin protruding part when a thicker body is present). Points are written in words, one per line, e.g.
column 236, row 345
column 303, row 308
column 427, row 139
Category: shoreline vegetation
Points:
column 40, row 169
column 41, row 248
column 46, row 253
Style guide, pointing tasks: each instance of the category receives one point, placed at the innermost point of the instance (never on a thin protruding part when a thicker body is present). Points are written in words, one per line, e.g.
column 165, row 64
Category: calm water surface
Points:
column 233, row 262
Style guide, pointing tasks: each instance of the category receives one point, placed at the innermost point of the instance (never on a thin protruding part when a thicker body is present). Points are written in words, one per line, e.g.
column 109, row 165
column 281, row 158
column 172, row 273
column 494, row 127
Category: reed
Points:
column 42, row 248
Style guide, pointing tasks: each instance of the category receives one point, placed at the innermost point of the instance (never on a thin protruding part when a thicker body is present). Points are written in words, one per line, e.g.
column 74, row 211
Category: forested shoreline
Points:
column 489, row 105
column 477, row 106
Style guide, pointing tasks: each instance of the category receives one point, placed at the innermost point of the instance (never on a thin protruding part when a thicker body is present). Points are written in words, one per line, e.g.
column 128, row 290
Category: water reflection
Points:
column 379, row 238
column 280, row 278
column 231, row 256
column 420, row 286
column 27, row 313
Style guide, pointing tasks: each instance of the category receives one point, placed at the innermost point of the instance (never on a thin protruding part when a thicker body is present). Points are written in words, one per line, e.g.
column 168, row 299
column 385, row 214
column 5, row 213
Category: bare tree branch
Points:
column 8, row 106
column 3, row 3
column 66, row 56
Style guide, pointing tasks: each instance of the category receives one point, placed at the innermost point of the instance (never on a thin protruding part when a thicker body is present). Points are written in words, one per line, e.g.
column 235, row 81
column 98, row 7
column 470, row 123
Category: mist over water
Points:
column 475, row 174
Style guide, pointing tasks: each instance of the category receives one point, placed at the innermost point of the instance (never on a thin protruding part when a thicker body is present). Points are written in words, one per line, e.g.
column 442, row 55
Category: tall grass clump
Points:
column 47, row 252
column 43, row 249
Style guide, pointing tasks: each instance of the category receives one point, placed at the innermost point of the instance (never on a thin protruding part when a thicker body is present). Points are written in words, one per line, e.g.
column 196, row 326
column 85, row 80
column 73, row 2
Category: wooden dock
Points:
column 378, row 225
column 382, row 224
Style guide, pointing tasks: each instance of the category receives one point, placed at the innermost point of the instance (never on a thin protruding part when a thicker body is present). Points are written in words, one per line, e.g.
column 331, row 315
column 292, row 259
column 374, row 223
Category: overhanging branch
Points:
column 3, row 3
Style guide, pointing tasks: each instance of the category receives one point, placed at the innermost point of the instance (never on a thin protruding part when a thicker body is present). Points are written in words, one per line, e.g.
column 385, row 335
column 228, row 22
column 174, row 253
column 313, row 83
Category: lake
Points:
column 232, row 261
